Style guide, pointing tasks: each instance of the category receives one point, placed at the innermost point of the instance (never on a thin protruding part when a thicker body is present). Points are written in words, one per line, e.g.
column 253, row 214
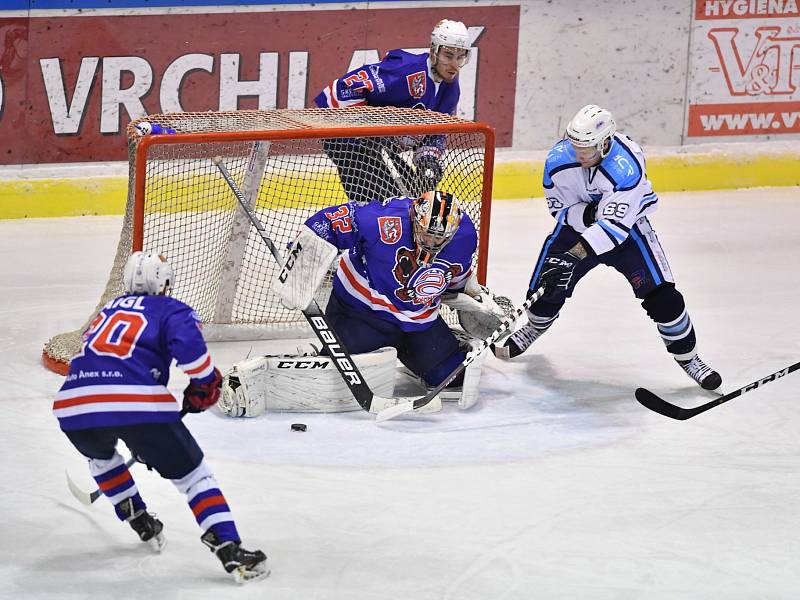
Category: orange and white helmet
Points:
column 436, row 217
column 147, row 273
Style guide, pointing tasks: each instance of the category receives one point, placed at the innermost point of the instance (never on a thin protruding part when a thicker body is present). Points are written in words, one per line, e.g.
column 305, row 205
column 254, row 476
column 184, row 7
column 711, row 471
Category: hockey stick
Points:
column 89, row 498
column 341, row 358
column 649, row 400
column 505, row 325
column 393, row 171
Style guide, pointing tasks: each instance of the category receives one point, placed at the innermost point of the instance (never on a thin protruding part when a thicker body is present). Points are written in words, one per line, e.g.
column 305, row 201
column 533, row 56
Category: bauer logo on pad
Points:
column 416, row 84
column 391, row 229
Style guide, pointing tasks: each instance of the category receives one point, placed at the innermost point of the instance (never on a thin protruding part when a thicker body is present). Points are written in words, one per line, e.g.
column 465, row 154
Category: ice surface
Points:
column 557, row 485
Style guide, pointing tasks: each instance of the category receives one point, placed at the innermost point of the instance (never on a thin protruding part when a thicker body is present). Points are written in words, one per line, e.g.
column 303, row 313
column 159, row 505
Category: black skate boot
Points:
column 243, row 565
column 704, row 375
column 147, row 527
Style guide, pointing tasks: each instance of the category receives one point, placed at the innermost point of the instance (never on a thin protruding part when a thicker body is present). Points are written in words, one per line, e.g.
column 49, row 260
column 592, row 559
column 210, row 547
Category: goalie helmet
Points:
column 147, row 273
column 452, row 34
column 436, row 217
column 591, row 127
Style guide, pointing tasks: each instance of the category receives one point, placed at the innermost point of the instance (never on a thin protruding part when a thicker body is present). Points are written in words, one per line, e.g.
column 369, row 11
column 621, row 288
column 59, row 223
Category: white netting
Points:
column 293, row 163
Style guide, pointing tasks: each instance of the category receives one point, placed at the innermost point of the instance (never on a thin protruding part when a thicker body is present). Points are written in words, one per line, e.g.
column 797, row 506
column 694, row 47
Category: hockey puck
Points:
column 298, row 426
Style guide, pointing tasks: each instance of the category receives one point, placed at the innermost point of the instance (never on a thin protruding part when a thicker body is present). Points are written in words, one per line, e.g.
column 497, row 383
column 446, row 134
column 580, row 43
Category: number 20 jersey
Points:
column 120, row 375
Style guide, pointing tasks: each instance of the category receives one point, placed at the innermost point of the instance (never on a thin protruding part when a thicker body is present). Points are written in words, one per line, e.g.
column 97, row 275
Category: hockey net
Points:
column 289, row 164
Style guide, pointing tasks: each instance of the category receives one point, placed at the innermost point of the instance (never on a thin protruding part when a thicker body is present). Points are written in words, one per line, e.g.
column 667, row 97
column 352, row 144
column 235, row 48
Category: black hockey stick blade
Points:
column 649, row 400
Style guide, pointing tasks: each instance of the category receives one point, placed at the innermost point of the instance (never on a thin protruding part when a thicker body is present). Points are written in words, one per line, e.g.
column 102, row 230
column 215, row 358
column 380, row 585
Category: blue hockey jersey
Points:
column 379, row 270
column 120, row 375
column 401, row 79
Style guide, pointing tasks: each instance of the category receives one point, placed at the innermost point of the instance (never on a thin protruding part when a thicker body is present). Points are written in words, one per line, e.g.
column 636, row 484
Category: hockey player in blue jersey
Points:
column 426, row 81
column 402, row 257
column 599, row 194
column 116, row 390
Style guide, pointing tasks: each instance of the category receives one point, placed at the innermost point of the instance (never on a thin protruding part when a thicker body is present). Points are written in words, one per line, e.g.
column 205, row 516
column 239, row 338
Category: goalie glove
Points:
column 197, row 397
column 429, row 169
column 479, row 310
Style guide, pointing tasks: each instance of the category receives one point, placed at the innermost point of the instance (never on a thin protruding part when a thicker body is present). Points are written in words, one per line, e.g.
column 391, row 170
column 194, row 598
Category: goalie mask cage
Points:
column 288, row 164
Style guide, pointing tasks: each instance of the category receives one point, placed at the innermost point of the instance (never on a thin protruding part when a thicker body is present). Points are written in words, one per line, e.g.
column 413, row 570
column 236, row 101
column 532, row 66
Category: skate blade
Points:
column 243, row 575
column 505, row 352
column 157, row 542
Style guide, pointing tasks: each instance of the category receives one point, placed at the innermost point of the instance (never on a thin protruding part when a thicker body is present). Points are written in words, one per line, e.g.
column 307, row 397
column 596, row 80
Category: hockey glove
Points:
column 429, row 170
column 590, row 213
column 557, row 273
column 198, row 397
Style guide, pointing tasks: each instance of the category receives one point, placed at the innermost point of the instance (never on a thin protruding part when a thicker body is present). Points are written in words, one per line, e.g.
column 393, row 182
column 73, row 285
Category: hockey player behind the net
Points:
column 402, row 258
column 428, row 81
column 116, row 390
column 599, row 194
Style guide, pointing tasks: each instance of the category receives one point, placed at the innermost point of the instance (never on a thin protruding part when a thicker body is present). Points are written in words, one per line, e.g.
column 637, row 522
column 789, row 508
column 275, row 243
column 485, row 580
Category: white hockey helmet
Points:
column 436, row 217
column 452, row 34
column 147, row 273
column 591, row 127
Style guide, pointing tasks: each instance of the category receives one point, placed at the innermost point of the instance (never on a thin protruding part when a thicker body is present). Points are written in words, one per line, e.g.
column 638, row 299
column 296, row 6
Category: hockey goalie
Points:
column 400, row 259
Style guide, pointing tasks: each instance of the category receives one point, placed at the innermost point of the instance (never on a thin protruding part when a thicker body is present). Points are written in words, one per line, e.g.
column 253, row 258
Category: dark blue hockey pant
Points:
column 431, row 354
column 642, row 261
column 637, row 259
column 169, row 448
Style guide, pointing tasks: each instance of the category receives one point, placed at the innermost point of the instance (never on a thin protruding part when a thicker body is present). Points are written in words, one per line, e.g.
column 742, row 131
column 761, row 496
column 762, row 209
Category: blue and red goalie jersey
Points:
column 379, row 271
column 401, row 79
column 120, row 375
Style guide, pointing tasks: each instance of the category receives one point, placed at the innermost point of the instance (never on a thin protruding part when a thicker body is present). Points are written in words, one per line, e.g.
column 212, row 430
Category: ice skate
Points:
column 518, row 342
column 243, row 565
column 706, row 377
column 147, row 527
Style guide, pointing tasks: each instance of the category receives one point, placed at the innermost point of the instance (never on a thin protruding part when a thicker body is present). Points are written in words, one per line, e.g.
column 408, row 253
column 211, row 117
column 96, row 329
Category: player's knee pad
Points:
column 664, row 303
column 100, row 466
column 196, row 480
column 291, row 383
column 665, row 306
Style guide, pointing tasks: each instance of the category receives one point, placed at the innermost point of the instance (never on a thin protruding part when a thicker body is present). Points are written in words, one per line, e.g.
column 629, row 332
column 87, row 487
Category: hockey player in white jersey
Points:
column 598, row 192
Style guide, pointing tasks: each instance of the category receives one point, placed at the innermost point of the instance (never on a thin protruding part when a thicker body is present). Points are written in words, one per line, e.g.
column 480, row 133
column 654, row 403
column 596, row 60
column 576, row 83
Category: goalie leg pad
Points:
column 306, row 266
column 290, row 383
column 467, row 394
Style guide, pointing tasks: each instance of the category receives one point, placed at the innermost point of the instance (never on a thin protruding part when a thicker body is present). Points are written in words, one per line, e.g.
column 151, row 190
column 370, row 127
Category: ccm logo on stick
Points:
column 772, row 377
column 342, row 361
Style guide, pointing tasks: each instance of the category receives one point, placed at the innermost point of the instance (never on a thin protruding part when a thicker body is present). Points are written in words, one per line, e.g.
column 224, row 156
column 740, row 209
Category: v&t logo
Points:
column 765, row 69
